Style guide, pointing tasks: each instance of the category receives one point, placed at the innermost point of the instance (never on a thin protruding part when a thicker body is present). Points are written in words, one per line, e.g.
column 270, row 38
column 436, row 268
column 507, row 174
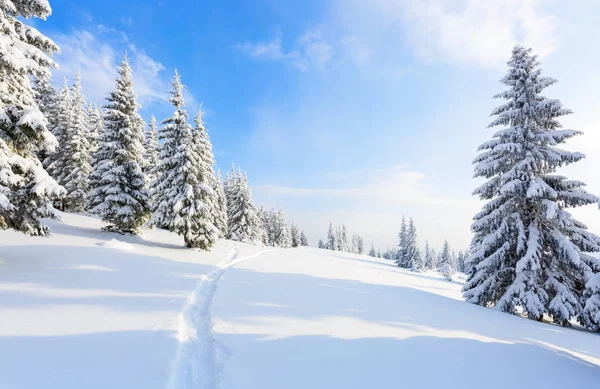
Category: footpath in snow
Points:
column 88, row 309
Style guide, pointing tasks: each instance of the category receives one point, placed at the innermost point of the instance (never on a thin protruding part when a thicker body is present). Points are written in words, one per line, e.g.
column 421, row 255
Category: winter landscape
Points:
column 127, row 259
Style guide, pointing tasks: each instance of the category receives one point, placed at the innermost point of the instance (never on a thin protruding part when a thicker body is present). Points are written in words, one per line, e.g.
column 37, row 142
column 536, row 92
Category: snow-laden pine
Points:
column 243, row 222
column 294, row 235
column 528, row 252
column 76, row 151
column 220, row 211
column 26, row 189
column 151, row 150
column 56, row 161
column 401, row 257
column 95, row 123
column 331, row 239
column 303, row 240
column 183, row 192
column 119, row 192
column 446, row 264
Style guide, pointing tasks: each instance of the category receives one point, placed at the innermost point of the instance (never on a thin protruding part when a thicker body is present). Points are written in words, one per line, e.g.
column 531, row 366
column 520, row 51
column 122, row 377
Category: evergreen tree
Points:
column 321, row 244
column 183, row 192
column 331, row 241
column 94, row 122
column 47, row 100
column 56, row 162
column 372, row 252
column 354, row 244
column 429, row 259
column 345, row 246
column 77, row 152
column 527, row 250
column 26, row 189
column 243, row 222
column 220, row 217
column 446, row 265
column 412, row 253
column 378, row 253
column 401, row 257
column 207, row 181
column 294, row 236
column 303, row 240
column 151, row 151
column 361, row 245
column 119, row 187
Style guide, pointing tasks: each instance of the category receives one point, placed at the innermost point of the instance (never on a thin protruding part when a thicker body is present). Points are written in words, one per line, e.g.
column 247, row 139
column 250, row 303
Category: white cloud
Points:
column 309, row 51
column 128, row 21
column 97, row 56
column 469, row 31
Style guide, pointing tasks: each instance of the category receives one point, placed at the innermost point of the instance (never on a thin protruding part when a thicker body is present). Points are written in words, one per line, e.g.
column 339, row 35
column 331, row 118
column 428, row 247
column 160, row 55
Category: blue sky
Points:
column 354, row 111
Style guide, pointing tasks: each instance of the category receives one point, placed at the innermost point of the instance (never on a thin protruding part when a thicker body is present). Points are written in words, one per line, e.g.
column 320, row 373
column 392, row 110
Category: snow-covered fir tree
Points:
column 119, row 192
column 372, row 252
column 207, row 181
column 591, row 310
column 94, row 122
column 412, row 254
column 294, row 235
column 528, row 251
column 183, row 191
column 281, row 233
column 446, row 266
column 331, row 240
column 243, row 222
column 401, row 257
column 46, row 98
column 26, row 189
column 56, row 161
column 303, row 240
column 344, row 243
column 151, row 151
column 360, row 244
column 321, row 244
column 220, row 211
column 429, row 261
column 354, row 244
column 76, row 151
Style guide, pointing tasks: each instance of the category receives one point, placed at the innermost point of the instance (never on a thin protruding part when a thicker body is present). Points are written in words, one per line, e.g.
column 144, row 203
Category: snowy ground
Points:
column 87, row 309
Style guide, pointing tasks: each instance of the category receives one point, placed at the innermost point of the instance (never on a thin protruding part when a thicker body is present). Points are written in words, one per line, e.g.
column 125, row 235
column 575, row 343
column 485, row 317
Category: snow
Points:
column 92, row 309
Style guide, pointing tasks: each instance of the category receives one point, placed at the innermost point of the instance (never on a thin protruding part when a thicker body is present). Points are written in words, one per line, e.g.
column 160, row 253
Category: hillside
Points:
column 89, row 309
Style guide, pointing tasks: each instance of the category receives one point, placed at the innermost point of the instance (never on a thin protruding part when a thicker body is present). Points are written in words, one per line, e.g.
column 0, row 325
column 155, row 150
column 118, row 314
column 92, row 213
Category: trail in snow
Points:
column 195, row 366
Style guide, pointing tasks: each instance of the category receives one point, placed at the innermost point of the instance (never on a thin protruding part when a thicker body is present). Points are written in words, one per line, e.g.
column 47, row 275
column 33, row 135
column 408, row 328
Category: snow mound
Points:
column 117, row 244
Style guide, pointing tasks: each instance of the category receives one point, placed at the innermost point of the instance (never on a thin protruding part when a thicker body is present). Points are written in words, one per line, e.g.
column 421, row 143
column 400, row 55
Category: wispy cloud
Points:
column 469, row 31
column 97, row 54
column 128, row 21
column 309, row 51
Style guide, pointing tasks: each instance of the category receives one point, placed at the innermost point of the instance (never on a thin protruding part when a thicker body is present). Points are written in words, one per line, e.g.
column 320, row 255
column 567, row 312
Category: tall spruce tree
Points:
column 119, row 191
column 294, row 235
column 26, row 189
column 372, row 252
column 183, row 192
column 94, row 122
column 331, row 241
column 220, row 215
column 303, row 240
column 446, row 265
column 401, row 256
column 243, row 222
column 151, row 150
column 528, row 252
column 76, row 151
column 56, row 161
